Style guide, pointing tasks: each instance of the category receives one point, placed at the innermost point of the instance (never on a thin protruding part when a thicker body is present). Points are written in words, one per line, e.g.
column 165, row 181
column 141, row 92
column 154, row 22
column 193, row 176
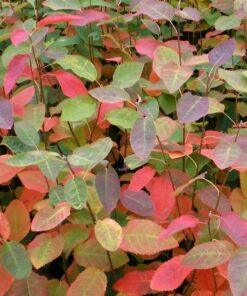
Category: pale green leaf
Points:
column 227, row 22
column 123, row 117
column 30, row 158
column 63, row 4
column 80, row 65
column 90, row 155
column 127, row 74
column 27, row 134
column 235, row 79
column 75, row 192
column 209, row 255
column 109, row 234
column 78, row 108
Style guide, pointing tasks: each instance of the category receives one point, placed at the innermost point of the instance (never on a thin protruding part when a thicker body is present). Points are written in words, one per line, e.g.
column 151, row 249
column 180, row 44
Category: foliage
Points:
column 123, row 164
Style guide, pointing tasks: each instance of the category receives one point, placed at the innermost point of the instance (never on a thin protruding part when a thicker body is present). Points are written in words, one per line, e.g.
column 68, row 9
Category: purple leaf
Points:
column 191, row 108
column 142, row 137
column 156, row 10
column 190, row 13
column 235, row 228
column 222, row 53
column 139, row 202
column 108, row 187
column 225, row 154
column 209, row 196
column 6, row 114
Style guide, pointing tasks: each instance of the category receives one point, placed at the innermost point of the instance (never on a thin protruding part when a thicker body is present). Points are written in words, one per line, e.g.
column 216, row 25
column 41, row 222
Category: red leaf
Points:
column 30, row 197
column 81, row 19
column 146, row 46
column 170, row 275
column 4, row 227
column 141, row 178
column 235, row 228
column 14, row 71
column 23, row 97
column 178, row 225
column 6, row 281
column 48, row 218
column 104, row 108
column 7, row 172
column 57, row 18
column 161, row 193
column 70, row 84
column 89, row 16
column 50, row 123
column 18, row 36
column 135, row 282
column 34, row 180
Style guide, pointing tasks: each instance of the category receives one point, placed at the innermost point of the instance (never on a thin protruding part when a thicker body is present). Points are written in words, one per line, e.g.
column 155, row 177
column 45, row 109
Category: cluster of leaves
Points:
column 123, row 164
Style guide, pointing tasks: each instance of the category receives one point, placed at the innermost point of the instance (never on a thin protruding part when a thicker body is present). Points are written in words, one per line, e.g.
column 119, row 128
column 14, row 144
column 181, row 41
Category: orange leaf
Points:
column 19, row 220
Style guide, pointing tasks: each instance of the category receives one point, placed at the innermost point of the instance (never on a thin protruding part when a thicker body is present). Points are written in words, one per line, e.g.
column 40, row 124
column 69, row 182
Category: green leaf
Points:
column 73, row 235
column 30, row 158
column 91, row 254
column 15, row 145
column 80, row 65
column 14, row 258
column 237, row 272
column 51, row 167
column 63, row 4
column 167, row 103
column 122, row 117
column 56, row 195
column 75, row 192
column 209, row 255
column 78, row 108
column 27, row 133
column 235, row 79
column 227, row 22
column 101, row 3
column 89, row 156
column 127, row 74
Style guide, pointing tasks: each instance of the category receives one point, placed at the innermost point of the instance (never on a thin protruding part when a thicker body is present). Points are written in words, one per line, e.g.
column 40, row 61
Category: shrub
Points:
column 123, row 147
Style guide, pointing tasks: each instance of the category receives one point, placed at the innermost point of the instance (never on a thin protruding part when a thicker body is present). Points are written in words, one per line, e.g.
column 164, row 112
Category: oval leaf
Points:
column 75, row 192
column 142, row 137
column 109, row 234
column 14, row 258
column 108, row 187
column 209, row 255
